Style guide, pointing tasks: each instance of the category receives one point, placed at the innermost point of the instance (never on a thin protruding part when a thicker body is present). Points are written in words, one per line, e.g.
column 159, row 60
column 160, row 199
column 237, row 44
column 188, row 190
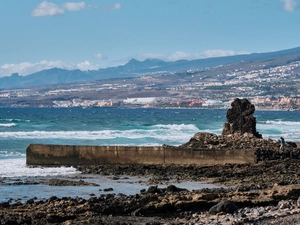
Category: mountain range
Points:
column 134, row 68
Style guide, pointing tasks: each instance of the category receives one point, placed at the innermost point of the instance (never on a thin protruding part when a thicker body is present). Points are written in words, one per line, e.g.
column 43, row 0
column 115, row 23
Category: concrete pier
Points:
column 44, row 154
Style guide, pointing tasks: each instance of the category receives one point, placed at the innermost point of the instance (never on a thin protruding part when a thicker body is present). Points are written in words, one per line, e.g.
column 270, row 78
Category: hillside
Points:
column 135, row 68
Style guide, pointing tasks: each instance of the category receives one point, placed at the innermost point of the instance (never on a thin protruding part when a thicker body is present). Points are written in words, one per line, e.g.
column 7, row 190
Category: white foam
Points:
column 189, row 127
column 11, row 154
column 177, row 133
column 7, row 124
column 280, row 122
column 276, row 128
column 17, row 168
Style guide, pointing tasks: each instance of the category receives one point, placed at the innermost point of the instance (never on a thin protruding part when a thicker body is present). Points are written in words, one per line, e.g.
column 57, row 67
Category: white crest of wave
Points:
column 17, row 168
column 274, row 129
column 10, row 154
column 280, row 122
column 162, row 132
column 7, row 124
column 190, row 127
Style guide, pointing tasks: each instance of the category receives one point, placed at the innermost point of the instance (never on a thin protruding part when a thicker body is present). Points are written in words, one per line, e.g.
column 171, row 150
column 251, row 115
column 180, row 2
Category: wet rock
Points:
column 190, row 206
column 4, row 204
column 108, row 189
column 153, row 189
column 173, row 189
column 30, row 201
column 60, row 182
column 224, row 206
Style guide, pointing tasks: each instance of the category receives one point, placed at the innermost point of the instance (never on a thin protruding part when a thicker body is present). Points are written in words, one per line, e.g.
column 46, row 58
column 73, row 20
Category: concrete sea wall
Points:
column 41, row 154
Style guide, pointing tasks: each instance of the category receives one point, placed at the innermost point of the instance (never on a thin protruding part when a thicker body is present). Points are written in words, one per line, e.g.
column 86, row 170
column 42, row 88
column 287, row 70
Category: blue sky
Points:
column 94, row 34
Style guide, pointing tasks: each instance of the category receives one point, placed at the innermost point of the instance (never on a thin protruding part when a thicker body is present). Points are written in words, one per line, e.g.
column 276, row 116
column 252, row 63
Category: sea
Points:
column 20, row 127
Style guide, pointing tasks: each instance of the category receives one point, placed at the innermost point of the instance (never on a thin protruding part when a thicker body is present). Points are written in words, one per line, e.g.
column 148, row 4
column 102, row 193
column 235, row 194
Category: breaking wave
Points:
column 158, row 133
column 7, row 124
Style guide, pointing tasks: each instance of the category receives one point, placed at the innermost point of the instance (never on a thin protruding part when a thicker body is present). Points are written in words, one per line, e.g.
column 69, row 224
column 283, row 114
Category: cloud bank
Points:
column 179, row 55
column 26, row 68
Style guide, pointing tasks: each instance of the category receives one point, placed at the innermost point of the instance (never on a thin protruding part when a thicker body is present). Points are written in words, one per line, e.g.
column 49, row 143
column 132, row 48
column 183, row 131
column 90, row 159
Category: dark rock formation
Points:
column 240, row 133
column 223, row 206
column 246, row 141
column 166, row 206
column 240, row 119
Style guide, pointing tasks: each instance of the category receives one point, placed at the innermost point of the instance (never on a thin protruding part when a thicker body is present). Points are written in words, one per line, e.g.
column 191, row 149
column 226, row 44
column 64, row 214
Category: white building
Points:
column 212, row 103
column 139, row 101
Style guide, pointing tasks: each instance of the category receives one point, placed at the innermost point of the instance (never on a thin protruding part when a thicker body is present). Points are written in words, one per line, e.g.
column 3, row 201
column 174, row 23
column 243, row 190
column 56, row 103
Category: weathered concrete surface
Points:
column 39, row 154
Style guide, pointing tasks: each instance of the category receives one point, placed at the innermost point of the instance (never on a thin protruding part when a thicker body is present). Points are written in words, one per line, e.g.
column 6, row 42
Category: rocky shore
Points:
column 267, row 192
column 262, row 193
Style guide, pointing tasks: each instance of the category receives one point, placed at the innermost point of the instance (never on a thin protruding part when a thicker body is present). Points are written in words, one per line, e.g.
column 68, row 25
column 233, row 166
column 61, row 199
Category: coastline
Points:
column 262, row 191
column 173, row 205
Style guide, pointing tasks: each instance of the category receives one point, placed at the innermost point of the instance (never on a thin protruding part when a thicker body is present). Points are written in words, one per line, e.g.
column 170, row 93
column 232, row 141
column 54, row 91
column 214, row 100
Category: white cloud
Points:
column 220, row 53
column 26, row 68
column 115, row 6
column 86, row 65
column 182, row 55
column 51, row 9
column 172, row 57
column 179, row 55
column 289, row 5
column 47, row 9
column 100, row 56
column 75, row 6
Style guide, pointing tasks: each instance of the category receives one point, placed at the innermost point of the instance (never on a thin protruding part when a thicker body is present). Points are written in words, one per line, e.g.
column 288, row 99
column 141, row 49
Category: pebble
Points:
column 247, row 215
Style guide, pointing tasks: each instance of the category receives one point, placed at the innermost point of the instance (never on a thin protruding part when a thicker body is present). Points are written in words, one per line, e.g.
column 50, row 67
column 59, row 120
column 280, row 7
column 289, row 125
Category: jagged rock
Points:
column 240, row 133
column 265, row 149
column 247, row 141
column 240, row 119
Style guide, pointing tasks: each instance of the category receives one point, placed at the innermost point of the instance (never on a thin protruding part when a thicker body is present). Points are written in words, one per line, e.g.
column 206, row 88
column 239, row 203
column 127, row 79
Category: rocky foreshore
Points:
column 262, row 193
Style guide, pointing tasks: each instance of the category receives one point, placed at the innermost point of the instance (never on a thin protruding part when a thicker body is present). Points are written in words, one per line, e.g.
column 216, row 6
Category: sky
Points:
column 96, row 34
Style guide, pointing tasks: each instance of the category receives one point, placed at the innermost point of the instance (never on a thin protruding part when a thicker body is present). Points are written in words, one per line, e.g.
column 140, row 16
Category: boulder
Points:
column 240, row 119
column 224, row 206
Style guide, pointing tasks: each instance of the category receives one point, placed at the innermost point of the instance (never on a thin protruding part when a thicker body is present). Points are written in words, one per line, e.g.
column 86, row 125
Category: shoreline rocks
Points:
column 267, row 190
column 169, row 205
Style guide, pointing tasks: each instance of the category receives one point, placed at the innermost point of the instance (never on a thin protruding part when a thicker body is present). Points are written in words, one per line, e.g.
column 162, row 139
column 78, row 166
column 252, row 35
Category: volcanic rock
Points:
column 240, row 119
column 224, row 206
column 240, row 133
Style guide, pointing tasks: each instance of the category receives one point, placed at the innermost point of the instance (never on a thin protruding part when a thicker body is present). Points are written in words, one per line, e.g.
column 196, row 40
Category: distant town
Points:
column 267, row 86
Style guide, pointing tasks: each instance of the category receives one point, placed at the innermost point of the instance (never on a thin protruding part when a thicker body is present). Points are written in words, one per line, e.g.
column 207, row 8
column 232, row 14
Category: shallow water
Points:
column 124, row 185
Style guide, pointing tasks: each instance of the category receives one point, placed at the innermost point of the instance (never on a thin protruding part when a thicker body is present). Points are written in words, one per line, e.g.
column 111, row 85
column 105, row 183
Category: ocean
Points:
column 20, row 127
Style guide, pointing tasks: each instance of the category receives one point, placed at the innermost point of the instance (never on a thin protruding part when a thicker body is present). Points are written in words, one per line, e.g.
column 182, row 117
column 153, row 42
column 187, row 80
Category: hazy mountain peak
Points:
column 133, row 68
column 131, row 61
column 15, row 75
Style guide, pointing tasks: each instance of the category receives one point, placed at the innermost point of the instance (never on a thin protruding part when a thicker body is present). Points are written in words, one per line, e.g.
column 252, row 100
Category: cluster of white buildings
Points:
column 142, row 102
